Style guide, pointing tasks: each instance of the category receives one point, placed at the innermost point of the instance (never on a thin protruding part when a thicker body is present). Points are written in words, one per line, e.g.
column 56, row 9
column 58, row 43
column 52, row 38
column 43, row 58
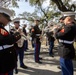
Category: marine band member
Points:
column 36, row 32
column 66, row 37
column 7, row 51
column 19, row 45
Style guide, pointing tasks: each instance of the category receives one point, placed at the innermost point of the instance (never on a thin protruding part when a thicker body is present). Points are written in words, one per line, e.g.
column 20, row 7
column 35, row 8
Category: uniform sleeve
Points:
column 33, row 35
column 60, row 33
column 9, row 39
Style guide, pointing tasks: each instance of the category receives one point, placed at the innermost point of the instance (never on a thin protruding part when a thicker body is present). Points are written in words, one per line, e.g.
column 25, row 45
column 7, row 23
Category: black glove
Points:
column 12, row 31
column 17, row 35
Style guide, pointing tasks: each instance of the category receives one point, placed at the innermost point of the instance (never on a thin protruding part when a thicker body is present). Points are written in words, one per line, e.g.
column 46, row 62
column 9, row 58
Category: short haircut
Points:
column 17, row 22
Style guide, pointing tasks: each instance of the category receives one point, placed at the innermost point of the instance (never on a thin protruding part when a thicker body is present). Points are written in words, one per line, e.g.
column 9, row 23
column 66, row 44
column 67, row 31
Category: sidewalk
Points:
column 48, row 67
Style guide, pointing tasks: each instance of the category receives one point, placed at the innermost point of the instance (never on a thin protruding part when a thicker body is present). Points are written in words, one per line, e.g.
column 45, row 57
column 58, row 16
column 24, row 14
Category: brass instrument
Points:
column 23, row 36
column 41, row 36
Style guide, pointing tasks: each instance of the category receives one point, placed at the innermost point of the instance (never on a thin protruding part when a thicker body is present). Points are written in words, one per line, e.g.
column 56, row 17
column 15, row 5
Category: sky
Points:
column 25, row 6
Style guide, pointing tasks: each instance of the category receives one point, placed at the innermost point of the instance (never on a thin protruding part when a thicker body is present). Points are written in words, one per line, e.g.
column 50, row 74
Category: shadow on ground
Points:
column 33, row 71
column 46, row 60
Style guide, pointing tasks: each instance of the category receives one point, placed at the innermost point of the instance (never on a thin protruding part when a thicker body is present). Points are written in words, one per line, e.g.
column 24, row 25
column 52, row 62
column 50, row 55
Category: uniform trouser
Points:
column 25, row 45
column 32, row 42
column 9, row 73
column 37, row 51
column 20, row 52
column 4, row 74
column 51, row 45
column 66, row 66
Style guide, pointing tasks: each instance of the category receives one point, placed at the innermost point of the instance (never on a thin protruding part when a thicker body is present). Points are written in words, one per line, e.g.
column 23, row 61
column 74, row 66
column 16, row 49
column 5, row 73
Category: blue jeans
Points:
column 37, row 51
column 66, row 66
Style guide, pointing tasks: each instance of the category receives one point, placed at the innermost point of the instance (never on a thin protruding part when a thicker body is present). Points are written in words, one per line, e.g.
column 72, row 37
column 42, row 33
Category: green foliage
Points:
column 29, row 16
column 36, row 2
column 9, row 3
column 14, row 3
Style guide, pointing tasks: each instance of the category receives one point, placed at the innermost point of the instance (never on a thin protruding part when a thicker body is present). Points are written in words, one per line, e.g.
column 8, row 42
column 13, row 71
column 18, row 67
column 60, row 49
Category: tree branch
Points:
column 73, row 7
column 45, row 14
column 61, row 6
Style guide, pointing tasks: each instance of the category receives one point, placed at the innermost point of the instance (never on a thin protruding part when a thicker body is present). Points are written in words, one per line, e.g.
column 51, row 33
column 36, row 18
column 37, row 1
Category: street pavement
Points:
column 48, row 66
